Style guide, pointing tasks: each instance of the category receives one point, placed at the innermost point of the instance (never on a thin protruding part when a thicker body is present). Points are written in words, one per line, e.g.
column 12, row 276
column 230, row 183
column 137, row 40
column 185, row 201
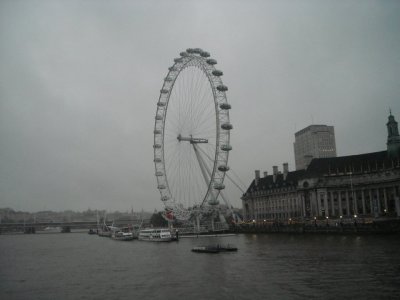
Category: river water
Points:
column 267, row 266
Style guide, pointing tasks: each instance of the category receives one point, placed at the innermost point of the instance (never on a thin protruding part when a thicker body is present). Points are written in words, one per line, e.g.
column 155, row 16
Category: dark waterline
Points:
column 269, row 266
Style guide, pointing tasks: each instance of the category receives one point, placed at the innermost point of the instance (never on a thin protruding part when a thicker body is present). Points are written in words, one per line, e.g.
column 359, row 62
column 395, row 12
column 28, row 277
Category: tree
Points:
column 157, row 220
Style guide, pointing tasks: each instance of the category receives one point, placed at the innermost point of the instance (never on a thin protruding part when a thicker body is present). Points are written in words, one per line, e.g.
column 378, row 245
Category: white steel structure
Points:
column 191, row 135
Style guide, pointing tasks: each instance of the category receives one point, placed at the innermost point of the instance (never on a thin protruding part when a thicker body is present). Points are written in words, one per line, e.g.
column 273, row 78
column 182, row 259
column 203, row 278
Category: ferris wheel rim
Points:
column 200, row 59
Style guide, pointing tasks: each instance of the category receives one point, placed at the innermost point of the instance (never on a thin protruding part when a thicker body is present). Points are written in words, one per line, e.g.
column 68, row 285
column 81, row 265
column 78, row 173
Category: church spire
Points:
column 393, row 140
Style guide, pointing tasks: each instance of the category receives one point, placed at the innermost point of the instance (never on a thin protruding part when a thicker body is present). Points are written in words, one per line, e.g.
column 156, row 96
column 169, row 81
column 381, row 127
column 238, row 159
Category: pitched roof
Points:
column 351, row 163
column 267, row 182
column 369, row 162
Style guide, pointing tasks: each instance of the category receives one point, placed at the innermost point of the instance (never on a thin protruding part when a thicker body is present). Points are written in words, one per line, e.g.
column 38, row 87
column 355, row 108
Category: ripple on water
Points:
column 81, row 266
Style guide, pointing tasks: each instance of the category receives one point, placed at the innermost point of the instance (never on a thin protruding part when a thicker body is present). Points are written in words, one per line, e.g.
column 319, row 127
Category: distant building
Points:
column 314, row 141
column 363, row 185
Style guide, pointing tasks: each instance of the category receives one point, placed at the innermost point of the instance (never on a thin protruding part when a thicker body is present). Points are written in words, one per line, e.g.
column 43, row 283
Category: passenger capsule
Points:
column 156, row 146
column 159, row 117
column 211, row 61
column 157, row 131
column 189, row 50
column 219, row 186
column 213, row 202
column 223, row 168
column 226, row 147
column 227, row 126
column 225, row 106
column 184, row 54
column 168, row 79
column 159, row 173
column 178, row 60
column 172, row 69
column 157, row 160
column 164, row 198
column 205, row 54
column 161, row 187
column 197, row 50
column 217, row 73
column 222, row 88
column 161, row 104
column 164, row 91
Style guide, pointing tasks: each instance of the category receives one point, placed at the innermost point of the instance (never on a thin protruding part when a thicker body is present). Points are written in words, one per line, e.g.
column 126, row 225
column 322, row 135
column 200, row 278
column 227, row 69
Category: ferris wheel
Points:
column 192, row 135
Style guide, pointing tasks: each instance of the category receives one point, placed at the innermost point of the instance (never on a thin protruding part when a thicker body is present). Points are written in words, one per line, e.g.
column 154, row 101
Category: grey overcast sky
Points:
column 79, row 82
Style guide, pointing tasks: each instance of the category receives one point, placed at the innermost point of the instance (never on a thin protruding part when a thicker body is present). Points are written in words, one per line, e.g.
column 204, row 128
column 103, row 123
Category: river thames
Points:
column 266, row 266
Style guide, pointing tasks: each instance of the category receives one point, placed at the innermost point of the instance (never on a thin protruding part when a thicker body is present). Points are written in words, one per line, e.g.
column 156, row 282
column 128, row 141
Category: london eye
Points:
column 192, row 135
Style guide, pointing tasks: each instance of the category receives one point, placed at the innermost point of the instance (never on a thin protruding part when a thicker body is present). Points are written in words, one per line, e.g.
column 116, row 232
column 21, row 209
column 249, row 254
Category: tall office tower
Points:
column 314, row 141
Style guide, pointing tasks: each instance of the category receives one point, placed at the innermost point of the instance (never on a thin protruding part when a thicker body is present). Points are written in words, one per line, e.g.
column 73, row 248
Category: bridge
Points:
column 33, row 227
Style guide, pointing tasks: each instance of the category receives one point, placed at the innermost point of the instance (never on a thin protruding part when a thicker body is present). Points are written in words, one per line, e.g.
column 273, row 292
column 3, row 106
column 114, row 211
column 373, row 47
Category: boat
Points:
column 104, row 231
column 50, row 229
column 205, row 249
column 227, row 248
column 155, row 235
column 123, row 234
column 205, row 235
column 214, row 249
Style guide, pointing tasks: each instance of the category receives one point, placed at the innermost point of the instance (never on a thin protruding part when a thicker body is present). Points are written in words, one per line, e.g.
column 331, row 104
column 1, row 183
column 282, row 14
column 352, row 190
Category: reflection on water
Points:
column 269, row 266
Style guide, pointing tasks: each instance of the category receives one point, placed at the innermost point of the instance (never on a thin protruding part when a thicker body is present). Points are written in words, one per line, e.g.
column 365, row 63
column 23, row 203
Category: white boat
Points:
column 123, row 234
column 104, row 231
column 155, row 235
column 51, row 229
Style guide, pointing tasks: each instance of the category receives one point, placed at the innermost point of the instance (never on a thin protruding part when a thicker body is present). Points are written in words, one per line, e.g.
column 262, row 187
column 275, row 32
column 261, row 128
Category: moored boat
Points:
column 50, row 229
column 104, row 231
column 123, row 234
column 155, row 235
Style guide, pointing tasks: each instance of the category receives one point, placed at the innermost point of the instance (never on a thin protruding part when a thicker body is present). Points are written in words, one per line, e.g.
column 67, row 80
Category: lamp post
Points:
column 352, row 193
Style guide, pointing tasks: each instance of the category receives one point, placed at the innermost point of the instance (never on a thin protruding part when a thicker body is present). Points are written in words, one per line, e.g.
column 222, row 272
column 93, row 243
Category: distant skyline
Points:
column 79, row 83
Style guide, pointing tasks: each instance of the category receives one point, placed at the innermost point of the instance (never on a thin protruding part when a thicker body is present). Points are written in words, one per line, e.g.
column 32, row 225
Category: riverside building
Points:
column 363, row 185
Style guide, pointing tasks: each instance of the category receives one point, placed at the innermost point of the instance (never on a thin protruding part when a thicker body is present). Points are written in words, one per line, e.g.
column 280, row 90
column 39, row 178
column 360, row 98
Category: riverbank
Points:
column 372, row 227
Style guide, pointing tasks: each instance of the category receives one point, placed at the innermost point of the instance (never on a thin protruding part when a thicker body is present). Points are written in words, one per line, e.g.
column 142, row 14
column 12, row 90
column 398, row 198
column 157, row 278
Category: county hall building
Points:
column 363, row 185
